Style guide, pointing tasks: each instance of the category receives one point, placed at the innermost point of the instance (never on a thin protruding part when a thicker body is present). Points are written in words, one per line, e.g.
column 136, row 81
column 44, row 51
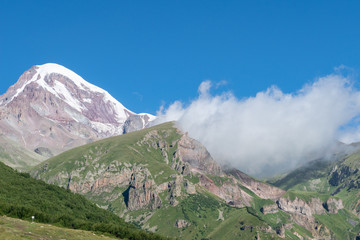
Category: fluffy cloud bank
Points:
column 272, row 131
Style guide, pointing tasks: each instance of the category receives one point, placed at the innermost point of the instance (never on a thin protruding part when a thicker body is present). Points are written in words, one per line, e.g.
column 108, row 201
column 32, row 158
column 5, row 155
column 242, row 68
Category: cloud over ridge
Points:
column 272, row 131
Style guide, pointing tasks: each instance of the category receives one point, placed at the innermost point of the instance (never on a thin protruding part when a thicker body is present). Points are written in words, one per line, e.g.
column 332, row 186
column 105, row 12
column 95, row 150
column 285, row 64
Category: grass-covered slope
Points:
column 22, row 197
column 122, row 149
column 314, row 170
column 209, row 218
column 14, row 228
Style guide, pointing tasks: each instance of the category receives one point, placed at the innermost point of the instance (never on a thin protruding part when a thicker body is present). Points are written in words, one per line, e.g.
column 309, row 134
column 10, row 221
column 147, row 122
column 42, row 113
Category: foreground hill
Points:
column 22, row 197
column 164, row 181
column 13, row 228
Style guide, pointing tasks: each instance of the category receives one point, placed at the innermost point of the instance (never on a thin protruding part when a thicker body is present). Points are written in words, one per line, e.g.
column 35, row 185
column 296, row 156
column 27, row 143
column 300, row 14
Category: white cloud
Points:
column 272, row 131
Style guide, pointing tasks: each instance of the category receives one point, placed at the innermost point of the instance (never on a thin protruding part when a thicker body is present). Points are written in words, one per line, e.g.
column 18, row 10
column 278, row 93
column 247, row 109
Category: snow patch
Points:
column 77, row 116
column 61, row 90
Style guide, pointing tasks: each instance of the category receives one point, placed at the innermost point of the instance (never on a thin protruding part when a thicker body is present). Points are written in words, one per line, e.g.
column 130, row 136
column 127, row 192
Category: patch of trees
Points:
column 22, row 197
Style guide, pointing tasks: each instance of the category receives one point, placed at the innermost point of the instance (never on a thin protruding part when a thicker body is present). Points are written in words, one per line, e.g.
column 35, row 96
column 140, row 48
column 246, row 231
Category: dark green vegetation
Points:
column 22, row 197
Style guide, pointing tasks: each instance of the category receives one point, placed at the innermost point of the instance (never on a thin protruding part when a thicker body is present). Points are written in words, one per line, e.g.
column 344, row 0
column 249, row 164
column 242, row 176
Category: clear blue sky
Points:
column 146, row 53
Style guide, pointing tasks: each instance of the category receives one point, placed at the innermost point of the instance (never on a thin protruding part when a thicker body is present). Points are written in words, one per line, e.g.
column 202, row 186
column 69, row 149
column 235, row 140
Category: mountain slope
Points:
column 22, row 197
column 313, row 170
column 164, row 181
column 339, row 179
column 54, row 109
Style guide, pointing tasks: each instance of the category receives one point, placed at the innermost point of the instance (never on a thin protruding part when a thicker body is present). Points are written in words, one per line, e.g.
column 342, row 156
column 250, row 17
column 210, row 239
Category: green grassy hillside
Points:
column 22, row 197
column 17, row 229
column 121, row 149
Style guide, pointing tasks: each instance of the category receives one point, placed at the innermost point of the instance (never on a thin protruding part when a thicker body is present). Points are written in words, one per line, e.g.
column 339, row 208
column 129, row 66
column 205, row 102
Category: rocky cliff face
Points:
column 228, row 191
column 261, row 189
column 51, row 107
column 196, row 155
column 141, row 192
column 343, row 176
column 302, row 212
column 299, row 206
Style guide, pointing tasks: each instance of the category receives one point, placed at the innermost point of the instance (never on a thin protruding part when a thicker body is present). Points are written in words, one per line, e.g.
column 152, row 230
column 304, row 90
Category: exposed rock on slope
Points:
column 54, row 108
column 302, row 213
column 193, row 152
column 142, row 192
column 263, row 190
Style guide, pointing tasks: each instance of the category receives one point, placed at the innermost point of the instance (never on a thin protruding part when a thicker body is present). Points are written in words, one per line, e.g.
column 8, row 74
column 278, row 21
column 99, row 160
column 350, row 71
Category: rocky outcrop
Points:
column 181, row 223
column 299, row 206
column 195, row 154
column 45, row 152
column 229, row 191
column 302, row 213
column 104, row 179
column 135, row 122
column 333, row 205
column 175, row 189
column 343, row 176
column 340, row 174
column 269, row 209
column 261, row 189
column 189, row 187
column 142, row 192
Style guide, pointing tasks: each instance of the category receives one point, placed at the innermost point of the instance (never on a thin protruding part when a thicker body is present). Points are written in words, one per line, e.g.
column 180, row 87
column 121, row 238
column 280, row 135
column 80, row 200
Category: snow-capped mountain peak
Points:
column 59, row 89
column 51, row 92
